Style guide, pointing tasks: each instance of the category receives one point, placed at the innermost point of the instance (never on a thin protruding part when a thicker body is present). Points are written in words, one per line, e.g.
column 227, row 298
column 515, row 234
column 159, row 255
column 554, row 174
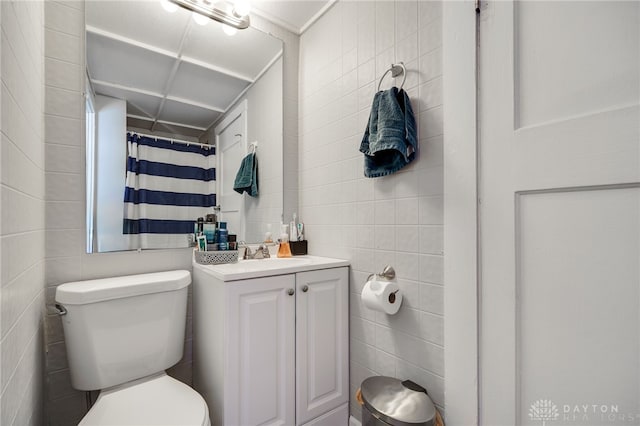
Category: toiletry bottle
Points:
column 223, row 237
column 268, row 236
column 293, row 229
column 200, row 226
column 233, row 242
column 284, row 250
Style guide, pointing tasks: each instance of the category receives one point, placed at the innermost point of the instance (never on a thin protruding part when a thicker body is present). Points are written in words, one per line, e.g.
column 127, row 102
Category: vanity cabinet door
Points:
column 259, row 373
column 322, row 342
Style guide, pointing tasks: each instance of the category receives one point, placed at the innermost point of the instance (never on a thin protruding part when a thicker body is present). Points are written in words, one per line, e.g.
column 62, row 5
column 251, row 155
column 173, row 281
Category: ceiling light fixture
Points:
column 214, row 11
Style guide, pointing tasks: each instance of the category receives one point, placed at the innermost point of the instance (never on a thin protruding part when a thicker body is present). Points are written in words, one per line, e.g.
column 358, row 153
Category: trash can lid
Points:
column 396, row 402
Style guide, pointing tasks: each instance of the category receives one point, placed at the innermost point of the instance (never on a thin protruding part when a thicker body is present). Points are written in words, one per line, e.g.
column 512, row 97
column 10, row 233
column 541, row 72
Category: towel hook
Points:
column 396, row 70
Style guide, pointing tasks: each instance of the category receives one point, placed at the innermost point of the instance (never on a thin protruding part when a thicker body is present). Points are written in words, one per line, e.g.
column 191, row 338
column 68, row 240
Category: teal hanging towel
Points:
column 390, row 140
column 247, row 177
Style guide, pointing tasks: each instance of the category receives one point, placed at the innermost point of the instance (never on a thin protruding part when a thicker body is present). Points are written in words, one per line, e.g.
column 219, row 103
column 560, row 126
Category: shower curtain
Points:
column 168, row 186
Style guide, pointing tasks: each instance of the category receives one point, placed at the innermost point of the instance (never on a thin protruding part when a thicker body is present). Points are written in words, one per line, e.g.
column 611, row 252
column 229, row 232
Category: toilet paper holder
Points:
column 388, row 274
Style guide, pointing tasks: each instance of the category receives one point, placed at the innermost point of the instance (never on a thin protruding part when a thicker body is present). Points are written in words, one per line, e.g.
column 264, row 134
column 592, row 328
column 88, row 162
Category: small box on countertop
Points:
column 298, row 248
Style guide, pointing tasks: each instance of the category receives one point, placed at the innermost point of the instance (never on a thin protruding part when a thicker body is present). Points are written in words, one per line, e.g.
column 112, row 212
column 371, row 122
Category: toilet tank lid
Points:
column 91, row 291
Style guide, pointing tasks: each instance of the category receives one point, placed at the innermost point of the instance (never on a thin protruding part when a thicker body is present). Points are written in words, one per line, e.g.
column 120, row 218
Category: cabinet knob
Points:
column 290, row 292
column 305, row 288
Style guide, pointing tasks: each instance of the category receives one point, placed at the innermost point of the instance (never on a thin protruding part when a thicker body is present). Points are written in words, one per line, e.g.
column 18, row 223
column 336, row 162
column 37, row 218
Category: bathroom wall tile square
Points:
column 432, row 328
column 430, row 65
column 385, row 237
column 385, row 25
column 431, row 358
column 363, row 354
column 20, row 293
column 431, row 94
column 429, row 11
column 63, row 130
column 62, row 270
column 63, row 75
column 385, row 187
column 406, row 320
column 65, row 215
column 366, row 35
column 65, row 186
column 431, row 210
column 64, row 243
column 19, row 171
column 432, row 269
column 408, row 266
column 366, row 73
column 67, row 103
column 432, row 181
column 65, row 159
column 432, row 239
column 362, row 329
column 19, row 254
column 385, row 212
column 382, row 258
column 63, row 17
column 60, row 385
column 431, row 152
column 407, row 239
column 407, row 48
column 411, row 293
column 431, row 123
column 62, row 46
column 430, row 36
column 432, row 298
column 385, row 364
column 407, row 209
column 406, row 17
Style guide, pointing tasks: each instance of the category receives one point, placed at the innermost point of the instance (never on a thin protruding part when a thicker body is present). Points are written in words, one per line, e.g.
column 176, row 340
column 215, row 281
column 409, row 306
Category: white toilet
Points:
column 121, row 334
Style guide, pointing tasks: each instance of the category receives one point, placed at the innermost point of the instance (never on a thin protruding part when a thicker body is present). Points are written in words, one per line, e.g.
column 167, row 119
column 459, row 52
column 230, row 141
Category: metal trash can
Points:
column 390, row 401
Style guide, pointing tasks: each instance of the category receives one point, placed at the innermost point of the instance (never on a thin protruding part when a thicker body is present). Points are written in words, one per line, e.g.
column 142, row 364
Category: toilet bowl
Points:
column 159, row 400
column 121, row 335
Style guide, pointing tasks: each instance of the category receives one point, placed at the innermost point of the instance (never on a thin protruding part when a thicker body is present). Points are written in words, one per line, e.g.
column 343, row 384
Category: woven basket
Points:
column 216, row 257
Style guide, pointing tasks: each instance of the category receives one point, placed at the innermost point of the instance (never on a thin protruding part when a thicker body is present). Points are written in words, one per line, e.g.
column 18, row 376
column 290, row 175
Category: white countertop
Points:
column 268, row 267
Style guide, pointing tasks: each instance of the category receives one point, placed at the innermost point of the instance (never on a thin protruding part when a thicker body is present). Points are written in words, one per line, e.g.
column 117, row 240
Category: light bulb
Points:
column 229, row 30
column 242, row 7
column 168, row 6
column 200, row 19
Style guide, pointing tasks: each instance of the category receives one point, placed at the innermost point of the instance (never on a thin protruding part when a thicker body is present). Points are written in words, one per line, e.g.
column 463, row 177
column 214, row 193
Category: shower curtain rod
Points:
column 202, row 145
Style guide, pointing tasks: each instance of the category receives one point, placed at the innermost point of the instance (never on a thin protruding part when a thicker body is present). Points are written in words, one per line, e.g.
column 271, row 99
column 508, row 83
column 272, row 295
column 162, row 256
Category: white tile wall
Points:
column 396, row 219
column 22, row 226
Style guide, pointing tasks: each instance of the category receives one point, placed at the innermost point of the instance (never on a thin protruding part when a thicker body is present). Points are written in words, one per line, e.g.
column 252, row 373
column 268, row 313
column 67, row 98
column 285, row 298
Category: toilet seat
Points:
column 156, row 400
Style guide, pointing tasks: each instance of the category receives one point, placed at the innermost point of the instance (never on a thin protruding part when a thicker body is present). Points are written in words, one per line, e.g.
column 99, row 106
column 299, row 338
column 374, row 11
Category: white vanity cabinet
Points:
column 273, row 350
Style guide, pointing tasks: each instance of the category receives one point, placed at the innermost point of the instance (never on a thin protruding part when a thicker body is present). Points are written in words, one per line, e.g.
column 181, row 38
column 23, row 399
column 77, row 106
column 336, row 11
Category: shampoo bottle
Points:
column 284, row 250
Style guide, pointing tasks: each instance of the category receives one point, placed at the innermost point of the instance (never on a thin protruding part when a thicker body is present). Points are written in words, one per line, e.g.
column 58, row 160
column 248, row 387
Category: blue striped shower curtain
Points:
column 168, row 186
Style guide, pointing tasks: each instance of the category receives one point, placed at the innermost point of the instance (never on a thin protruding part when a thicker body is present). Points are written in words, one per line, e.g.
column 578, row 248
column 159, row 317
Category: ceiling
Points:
column 177, row 76
column 294, row 15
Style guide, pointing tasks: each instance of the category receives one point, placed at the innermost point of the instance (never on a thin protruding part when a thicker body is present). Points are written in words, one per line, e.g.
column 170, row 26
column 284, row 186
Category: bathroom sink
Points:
column 254, row 268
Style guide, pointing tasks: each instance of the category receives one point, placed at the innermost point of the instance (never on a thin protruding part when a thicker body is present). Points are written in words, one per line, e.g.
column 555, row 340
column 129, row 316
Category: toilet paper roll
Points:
column 382, row 296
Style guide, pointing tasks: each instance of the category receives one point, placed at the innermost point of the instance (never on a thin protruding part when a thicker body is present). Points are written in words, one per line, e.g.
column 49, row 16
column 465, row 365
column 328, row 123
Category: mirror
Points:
column 160, row 74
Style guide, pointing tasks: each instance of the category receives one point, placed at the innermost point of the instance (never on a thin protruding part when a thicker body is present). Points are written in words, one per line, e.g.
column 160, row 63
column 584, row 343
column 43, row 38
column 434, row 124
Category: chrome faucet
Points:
column 262, row 252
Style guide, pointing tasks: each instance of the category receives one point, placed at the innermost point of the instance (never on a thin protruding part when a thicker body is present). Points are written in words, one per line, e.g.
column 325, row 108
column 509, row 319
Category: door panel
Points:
column 559, row 157
column 322, row 342
column 260, row 374
column 578, row 298
column 231, row 151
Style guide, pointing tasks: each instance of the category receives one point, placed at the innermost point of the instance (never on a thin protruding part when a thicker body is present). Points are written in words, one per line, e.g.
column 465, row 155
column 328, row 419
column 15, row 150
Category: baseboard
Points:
column 354, row 422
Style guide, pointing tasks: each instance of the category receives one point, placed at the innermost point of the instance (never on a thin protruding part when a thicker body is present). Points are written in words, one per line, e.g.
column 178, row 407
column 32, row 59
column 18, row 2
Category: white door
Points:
column 559, row 213
column 231, row 149
column 322, row 342
column 259, row 378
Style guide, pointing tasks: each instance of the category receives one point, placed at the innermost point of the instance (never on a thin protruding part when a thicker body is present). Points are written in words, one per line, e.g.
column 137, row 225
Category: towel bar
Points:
column 396, row 70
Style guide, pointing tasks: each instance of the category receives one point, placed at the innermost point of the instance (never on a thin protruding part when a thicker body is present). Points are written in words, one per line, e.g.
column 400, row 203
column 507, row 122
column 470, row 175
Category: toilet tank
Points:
column 124, row 328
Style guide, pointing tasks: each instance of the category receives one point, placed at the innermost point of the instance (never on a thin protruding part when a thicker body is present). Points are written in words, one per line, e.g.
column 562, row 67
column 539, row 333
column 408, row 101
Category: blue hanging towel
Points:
column 390, row 140
column 247, row 177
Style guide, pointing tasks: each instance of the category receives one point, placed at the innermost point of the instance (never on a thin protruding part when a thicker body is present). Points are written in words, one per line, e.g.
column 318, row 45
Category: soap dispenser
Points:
column 284, row 250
